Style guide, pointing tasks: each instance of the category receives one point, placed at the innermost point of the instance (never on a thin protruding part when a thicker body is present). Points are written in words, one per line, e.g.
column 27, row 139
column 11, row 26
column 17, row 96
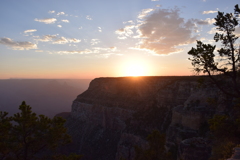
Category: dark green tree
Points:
column 226, row 60
column 26, row 136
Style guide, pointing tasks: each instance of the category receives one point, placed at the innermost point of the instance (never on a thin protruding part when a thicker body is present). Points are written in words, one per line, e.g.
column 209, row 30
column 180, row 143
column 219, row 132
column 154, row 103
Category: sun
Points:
column 134, row 68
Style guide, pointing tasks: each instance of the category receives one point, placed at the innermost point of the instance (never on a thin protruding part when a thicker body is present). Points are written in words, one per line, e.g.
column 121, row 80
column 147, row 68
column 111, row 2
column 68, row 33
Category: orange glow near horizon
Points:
column 135, row 68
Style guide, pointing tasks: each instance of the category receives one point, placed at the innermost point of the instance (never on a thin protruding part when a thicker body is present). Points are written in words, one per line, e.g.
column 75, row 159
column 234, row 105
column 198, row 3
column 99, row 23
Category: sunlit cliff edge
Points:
column 115, row 114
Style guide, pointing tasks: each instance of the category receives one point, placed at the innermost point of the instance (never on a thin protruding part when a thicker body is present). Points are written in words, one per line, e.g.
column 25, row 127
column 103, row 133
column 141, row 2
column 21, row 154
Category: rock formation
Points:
column 115, row 114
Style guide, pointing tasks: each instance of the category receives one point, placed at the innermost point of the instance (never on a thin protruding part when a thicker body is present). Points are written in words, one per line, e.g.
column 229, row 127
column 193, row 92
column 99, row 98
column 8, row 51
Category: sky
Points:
column 103, row 38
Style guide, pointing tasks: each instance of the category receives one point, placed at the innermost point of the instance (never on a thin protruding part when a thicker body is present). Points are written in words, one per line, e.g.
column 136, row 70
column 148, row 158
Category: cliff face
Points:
column 115, row 114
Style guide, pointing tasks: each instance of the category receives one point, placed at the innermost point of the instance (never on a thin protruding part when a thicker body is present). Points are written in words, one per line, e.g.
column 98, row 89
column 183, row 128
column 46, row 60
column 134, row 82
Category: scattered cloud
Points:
column 99, row 29
column 46, row 20
column 30, row 30
column 58, row 40
column 80, row 27
column 60, row 13
column 65, row 20
column 88, row 17
column 164, row 31
column 158, row 5
column 204, row 22
column 145, row 12
column 60, row 26
column 208, row 12
column 94, row 41
column 16, row 45
column 86, row 51
column 51, row 11
column 125, row 32
column 154, row 0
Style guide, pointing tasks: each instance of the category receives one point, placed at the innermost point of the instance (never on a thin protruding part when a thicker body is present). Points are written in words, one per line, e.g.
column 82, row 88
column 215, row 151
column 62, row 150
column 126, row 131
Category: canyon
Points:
column 114, row 115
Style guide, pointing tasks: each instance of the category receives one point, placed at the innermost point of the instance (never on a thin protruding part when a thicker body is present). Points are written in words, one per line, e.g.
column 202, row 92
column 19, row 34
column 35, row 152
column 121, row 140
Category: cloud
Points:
column 86, row 51
column 94, row 41
column 46, row 20
column 47, row 38
column 30, row 30
column 125, row 32
column 16, row 45
column 58, row 40
column 208, row 12
column 154, row 0
column 51, row 11
column 65, row 20
column 99, row 29
column 163, row 31
column 205, row 22
column 145, row 12
column 60, row 26
column 88, row 17
column 60, row 13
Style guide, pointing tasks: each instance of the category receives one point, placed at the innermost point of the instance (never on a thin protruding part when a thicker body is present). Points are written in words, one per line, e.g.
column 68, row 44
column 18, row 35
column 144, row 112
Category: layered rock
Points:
column 115, row 114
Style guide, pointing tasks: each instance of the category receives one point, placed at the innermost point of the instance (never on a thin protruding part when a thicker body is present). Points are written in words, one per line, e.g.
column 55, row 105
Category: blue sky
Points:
column 107, row 38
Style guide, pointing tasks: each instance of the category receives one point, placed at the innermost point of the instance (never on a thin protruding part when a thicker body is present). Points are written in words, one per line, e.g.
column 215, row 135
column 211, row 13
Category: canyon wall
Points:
column 115, row 114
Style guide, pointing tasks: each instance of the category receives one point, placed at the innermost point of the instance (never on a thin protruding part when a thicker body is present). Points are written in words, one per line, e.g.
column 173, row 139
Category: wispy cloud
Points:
column 204, row 22
column 88, row 17
column 30, row 30
column 208, row 12
column 58, row 40
column 145, row 12
column 17, row 45
column 86, row 51
column 60, row 26
column 46, row 20
column 125, row 32
column 65, row 20
column 94, row 41
column 51, row 11
column 99, row 29
column 60, row 13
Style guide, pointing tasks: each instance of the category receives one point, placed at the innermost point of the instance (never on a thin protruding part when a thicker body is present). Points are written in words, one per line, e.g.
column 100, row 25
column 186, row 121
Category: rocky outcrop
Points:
column 116, row 114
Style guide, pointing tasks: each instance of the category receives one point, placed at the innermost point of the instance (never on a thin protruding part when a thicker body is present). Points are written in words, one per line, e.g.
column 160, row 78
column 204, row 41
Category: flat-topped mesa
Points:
column 126, row 92
column 109, row 102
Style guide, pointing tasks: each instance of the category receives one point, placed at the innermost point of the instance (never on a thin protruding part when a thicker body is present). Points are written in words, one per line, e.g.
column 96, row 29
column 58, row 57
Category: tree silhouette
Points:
column 27, row 136
column 226, row 61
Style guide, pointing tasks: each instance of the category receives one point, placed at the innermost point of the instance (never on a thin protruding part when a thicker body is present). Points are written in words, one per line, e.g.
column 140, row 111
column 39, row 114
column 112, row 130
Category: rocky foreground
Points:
column 115, row 114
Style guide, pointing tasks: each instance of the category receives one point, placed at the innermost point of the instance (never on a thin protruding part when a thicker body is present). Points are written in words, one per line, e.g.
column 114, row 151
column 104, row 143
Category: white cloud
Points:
column 65, row 20
column 94, row 41
column 60, row 13
column 47, row 38
column 88, row 17
column 30, row 30
column 99, row 29
column 46, row 20
column 16, row 45
column 154, row 0
column 145, row 12
column 60, row 26
column 58, row 40
column 51, row 11
column 158, row 5
column 208, row 12
column 80, row 27
column 86, row 51
column 125, row 32
column 204, row 22
column 163, row 31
